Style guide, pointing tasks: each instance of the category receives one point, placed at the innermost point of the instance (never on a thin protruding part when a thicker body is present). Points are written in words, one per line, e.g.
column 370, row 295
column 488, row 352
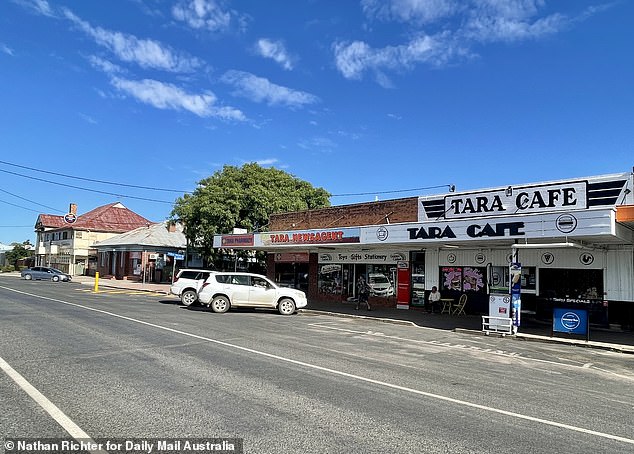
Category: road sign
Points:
column 176, row 256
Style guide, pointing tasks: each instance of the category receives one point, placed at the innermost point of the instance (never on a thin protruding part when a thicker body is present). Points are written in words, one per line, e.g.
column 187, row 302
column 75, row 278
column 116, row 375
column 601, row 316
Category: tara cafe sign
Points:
column 517, row 200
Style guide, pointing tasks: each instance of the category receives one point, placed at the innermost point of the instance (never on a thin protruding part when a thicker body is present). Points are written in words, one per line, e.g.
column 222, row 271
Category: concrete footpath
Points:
column 531, row 330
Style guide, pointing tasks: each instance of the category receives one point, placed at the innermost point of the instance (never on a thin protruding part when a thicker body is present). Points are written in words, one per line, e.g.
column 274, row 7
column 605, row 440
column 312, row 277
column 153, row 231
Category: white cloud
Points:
column 422, row 11
column 321, row 144
column 88, row 118
column 104, row 65
column 146, row 53
column 274, row 50
column 203, row 14
column 500, row 29
column 37, row 6
column 6, row 49
column 167, row 96
column 445, row 31
column 259, row 89
column 354, row 58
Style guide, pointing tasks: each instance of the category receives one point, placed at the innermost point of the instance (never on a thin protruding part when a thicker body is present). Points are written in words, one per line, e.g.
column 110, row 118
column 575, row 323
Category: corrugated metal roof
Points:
column 113, row 217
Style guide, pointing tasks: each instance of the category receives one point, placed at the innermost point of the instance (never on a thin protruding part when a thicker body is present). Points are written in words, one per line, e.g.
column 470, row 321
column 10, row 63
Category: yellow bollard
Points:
column 96, row 289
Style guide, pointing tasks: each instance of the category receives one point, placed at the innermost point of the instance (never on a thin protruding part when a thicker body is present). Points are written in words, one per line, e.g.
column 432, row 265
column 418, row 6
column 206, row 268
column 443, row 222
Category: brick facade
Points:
column 371, row 213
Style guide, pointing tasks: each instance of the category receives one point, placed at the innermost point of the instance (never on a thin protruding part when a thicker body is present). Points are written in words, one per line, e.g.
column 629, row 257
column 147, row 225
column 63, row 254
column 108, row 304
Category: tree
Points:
column 18, row 252
column 242, row 197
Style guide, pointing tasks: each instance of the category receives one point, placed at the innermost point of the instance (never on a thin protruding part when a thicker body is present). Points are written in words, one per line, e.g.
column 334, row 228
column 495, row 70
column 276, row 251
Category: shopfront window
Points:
column 463, row 279
column 499, row 279
column 382, row 280
column 571, row 284
column 330, row 279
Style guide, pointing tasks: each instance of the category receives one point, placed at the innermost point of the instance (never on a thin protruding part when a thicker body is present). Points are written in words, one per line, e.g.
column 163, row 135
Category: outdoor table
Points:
column 446, row 305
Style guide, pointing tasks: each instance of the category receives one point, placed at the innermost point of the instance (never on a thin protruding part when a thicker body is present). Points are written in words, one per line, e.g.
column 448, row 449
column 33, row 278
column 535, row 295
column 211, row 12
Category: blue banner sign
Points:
column 572, row 321
column 515, row 271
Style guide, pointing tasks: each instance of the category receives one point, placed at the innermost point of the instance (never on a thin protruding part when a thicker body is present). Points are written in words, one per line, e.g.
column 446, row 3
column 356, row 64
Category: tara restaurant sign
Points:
column 516, row 200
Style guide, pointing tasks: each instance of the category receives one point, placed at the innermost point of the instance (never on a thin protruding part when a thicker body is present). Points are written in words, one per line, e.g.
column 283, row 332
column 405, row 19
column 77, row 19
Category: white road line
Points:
column 58, row 415
column 348, row 375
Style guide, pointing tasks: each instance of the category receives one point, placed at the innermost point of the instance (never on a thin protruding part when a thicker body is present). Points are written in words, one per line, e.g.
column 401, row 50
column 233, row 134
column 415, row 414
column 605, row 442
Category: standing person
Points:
column 362, row 293
column 434, row 298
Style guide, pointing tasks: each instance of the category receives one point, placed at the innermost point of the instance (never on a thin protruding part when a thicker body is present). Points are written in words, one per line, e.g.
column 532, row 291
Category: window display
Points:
column 463, row 279
column 330, row 279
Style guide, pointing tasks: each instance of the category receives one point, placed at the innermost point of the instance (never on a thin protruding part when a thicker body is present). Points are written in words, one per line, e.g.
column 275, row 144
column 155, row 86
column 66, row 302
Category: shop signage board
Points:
column 553, row 225
column 499, row 305
column 571, row 321
column 517, row 200
column 580, row 194
column 317, row 237
column 370, row 258
column 234, row 241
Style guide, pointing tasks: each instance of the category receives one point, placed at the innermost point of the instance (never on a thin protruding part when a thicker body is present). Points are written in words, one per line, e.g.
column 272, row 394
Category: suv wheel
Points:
column 220, row 304
column 189, row 297
column 286, row 306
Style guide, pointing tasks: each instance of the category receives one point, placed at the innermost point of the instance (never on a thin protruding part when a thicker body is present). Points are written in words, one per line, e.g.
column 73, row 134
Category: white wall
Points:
column 618, row 263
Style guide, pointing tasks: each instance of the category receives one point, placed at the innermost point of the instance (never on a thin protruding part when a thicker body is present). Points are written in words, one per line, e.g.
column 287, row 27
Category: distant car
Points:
column 222, row 291
column 45, row 273
column 187, row 283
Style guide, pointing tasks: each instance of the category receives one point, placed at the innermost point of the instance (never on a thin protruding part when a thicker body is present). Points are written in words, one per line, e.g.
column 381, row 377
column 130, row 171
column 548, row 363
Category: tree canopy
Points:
column 19, row 252
column 242, row 197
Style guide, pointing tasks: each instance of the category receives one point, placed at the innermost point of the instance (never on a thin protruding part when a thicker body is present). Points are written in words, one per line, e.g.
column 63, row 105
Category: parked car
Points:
column 187, row 283
column 45, row 273
column 222, row 291
column 380, row 285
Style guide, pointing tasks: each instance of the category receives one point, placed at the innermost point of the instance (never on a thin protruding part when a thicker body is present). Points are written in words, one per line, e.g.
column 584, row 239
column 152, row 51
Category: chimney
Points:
column 171, row 227
column 73, row 208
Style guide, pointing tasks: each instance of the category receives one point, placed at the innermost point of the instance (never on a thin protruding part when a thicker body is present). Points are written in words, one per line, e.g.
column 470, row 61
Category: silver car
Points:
column 45, row 273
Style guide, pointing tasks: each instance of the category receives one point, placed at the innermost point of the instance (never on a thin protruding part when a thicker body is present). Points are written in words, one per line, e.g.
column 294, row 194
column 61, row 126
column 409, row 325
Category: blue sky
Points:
column 358, row 96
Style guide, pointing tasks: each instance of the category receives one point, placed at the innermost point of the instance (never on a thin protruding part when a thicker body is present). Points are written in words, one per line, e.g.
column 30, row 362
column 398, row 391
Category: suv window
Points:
column 193, row 274
column 232, row 279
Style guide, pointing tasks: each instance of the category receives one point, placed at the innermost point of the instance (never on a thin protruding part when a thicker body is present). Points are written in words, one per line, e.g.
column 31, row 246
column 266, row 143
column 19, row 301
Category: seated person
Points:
column 433, row 298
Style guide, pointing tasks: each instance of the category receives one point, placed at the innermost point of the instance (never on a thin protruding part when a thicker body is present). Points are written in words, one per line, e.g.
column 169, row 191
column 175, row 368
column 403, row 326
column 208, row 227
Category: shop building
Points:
column 152, row 253
column 574, row 241
column 65, row 241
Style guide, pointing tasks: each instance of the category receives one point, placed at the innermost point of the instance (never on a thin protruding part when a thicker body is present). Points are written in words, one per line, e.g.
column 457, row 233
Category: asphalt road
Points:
column 128, row 365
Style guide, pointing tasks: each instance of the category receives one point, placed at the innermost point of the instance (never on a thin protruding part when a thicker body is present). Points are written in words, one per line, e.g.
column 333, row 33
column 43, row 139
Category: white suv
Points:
column 187, row 283
column 221, row 291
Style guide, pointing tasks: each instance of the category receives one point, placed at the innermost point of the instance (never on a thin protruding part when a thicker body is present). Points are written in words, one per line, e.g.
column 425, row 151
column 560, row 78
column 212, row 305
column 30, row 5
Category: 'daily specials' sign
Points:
column 517, row 200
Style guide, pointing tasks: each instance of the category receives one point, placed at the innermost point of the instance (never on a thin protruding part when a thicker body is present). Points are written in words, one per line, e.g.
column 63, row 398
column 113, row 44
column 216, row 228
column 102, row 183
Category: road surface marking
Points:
column 58, row 415
column 346, row 374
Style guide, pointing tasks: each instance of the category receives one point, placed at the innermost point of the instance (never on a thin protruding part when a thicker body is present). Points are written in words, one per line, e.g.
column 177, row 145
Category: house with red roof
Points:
column 65, row 242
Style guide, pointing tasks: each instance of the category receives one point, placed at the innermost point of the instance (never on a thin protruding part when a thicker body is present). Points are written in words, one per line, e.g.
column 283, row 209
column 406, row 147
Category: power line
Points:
column 19, row 206
column 94, row 180
column 36, row 203
column 451, row 188
column 85, row 189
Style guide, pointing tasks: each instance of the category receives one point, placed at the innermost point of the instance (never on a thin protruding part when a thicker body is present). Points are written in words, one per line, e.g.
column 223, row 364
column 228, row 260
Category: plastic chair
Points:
column 459, row 306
